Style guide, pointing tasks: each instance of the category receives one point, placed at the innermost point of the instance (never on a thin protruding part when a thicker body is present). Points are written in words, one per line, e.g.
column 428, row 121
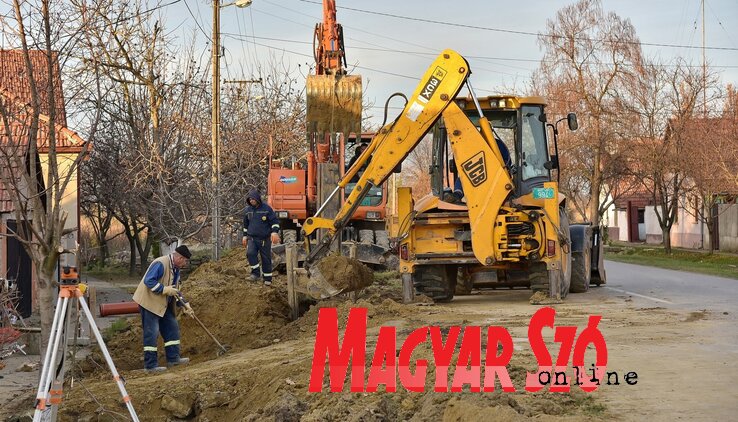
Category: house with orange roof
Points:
column 15, row 94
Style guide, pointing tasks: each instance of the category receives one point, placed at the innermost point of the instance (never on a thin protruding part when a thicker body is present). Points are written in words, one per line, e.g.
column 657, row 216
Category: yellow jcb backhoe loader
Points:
column 513, row 223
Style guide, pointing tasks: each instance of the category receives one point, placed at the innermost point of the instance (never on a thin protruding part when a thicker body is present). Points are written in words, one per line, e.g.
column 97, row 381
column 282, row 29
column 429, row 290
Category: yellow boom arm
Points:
column 483, row 175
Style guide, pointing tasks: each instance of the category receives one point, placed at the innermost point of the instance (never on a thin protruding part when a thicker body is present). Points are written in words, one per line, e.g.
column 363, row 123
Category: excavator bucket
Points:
column 332, row 275
column 334, row 103
column 318, row 287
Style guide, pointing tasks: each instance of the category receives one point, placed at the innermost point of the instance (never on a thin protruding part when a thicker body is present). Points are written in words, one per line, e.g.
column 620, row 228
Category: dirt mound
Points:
column 240, row 314
column 344, row 273
column 270, row 384
column 542, row 298
column 265, row 375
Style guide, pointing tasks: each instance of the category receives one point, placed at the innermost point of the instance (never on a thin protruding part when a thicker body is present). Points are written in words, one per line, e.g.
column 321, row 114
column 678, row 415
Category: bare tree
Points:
column 156, row 134
column 587, row 53
column 659, row 102
column 415, row 169
column 259, row 121
column 710, row 150
column 725, row 146
column 34, row 124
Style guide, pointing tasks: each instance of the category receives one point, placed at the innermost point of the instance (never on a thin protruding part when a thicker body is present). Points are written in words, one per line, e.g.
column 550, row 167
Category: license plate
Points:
column 543, row 193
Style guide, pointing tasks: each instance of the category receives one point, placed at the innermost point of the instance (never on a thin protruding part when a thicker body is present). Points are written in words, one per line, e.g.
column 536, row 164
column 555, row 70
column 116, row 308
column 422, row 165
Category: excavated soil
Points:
column 344, row 273
column 265, row 374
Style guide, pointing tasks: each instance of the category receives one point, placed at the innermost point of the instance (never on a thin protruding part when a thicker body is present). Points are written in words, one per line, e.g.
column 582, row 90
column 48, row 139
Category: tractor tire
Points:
column 464, row 284
column 581, row 269
column 289, row 236
column 538, row 277
column 382, row 239
column 436, row 282
column 366, row 237
column 541, row 279
column 564, row 275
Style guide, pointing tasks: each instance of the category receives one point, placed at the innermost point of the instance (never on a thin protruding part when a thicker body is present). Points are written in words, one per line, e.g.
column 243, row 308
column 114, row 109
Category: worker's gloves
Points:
column 275, row 238
column 170, row 291
column 188, row 310
column 244, row 241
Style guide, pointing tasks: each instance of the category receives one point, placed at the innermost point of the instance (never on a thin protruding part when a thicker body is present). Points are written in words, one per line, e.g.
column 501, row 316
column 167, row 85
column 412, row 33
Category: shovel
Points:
column 223, row 348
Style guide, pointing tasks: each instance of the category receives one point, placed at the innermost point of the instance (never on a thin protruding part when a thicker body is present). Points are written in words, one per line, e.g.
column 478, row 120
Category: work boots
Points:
column 252, row 278
column 155, row 370
column 181, row 361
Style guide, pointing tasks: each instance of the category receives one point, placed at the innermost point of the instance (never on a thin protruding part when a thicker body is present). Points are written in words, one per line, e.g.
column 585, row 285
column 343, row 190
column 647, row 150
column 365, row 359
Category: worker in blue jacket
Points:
column 260, row 230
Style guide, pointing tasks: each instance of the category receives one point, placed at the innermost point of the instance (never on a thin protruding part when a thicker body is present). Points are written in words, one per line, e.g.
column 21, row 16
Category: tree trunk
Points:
column 132, row 259
column 666, row 233
column 143, row 250
column 46, row 292
column 710, row 233
column 104, row 252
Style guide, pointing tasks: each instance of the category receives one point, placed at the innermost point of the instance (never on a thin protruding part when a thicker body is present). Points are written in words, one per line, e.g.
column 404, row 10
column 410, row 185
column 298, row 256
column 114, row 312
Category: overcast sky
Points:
column 392, row 53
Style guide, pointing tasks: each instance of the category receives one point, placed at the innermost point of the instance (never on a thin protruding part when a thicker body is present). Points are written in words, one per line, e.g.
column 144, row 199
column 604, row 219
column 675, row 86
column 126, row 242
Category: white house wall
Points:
column 622, row 225
column 728, row 227
column 686, row 231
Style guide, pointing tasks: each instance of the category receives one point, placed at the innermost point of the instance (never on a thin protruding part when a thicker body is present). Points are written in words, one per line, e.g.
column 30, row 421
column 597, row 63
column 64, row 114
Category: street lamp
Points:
column 215, row 120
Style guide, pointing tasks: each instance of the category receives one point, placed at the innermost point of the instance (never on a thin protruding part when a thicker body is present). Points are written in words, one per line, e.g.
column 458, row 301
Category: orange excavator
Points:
column 297, row 188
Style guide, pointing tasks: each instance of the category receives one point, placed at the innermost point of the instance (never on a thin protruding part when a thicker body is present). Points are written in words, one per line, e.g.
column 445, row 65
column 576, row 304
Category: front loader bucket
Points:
column 334, row 104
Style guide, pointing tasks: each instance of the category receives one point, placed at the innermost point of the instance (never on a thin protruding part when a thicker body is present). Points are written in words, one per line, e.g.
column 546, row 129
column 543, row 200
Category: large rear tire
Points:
column 581, row 268
column 564, row 275
column 437, row 282
column 541, row 279
column 464, row 284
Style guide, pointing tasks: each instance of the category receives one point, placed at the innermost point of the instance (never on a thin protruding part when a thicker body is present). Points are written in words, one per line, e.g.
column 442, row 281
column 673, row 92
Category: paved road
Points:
column 688, row 369
column 673, row 289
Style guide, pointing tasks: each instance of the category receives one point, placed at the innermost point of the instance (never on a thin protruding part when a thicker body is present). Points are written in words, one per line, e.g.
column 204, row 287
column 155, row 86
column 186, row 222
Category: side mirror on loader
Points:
column 553, row 163
column 571, row 119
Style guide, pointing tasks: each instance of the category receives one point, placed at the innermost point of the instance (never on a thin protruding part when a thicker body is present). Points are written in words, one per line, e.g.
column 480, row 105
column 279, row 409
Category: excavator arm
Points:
column 484, row 178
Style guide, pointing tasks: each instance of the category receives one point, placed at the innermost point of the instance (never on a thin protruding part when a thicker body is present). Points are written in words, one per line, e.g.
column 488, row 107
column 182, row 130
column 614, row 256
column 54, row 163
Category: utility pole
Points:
column 215, row 130
column 215, row 121
column 704, row 66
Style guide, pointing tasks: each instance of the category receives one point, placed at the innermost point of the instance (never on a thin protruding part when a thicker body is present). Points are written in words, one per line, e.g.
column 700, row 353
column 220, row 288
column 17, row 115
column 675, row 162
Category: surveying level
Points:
column 51, row 383
column 69, row 275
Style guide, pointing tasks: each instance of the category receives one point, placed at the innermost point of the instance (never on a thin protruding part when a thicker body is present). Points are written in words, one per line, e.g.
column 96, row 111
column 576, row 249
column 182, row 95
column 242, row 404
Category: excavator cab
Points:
column 518, row 126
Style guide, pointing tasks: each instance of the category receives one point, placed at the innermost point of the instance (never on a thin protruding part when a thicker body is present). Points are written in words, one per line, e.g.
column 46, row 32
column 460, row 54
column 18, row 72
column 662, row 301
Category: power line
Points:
column 432, row 54
column 143, row 12
column 721, row 24
column 509, row 31
column 196, row 21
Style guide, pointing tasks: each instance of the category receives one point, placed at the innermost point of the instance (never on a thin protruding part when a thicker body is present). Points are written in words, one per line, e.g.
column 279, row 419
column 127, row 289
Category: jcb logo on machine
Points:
column 430, row 87
column 475, row 169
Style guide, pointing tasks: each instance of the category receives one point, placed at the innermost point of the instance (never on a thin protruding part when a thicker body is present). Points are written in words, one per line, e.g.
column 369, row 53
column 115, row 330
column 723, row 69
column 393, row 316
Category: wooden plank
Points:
column 352, row 254
column 292, row 295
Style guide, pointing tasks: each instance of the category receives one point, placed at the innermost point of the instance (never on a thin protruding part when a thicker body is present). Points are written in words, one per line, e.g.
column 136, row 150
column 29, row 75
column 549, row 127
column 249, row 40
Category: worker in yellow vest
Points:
column 156, row 296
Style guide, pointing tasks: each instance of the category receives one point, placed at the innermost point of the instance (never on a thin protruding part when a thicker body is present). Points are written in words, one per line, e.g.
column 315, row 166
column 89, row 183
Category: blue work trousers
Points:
column 260, row 248
column 167, row 325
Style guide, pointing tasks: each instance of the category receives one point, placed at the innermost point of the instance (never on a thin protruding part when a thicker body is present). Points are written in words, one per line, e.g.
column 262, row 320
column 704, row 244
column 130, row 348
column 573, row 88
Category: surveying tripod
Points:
column 51, row 384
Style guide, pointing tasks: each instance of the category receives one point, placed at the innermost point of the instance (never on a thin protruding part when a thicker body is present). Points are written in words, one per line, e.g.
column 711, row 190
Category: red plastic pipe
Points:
column 121, row 308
